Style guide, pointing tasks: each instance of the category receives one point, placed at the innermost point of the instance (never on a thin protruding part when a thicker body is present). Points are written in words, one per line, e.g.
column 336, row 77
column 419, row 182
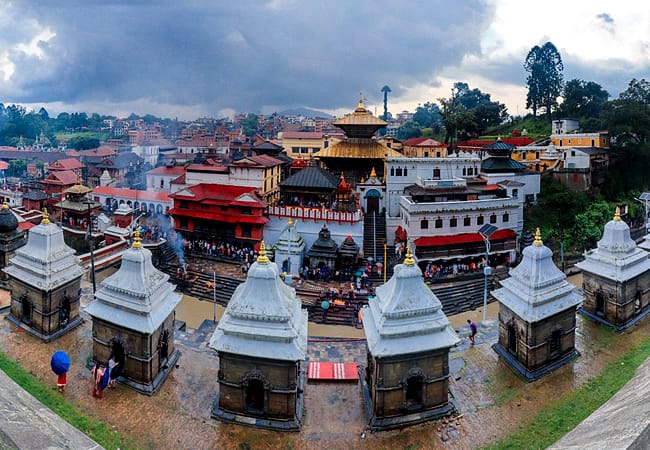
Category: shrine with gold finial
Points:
column 616, row 278
column 11, row 238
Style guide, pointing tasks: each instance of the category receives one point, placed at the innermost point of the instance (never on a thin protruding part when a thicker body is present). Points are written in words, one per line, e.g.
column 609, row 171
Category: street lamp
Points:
column 486, row 231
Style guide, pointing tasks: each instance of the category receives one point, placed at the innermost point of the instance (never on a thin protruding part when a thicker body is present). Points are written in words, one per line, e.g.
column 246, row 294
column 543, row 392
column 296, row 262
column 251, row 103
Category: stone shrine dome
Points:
column 406, row 316
column 536, row 288
column 616, row 256
column 8, row 221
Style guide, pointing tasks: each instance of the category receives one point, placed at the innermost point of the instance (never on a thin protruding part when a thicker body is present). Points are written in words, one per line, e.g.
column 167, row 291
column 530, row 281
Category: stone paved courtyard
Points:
column 491, row 399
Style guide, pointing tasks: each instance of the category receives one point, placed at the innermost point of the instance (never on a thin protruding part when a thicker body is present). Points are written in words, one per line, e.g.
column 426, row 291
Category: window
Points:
column 505, row 218
column 573, row 153
column 438, row 154
column 326, row 144
column 304, row 150
column 315, row 150
column 453, row 222
column 295, row 150
column 536, row 155
column 523, row 156
column 436, row 174
column 392, row 171
column 493, row 218
column 183, row 222
column 464, row 171
column 426, row 154
column 480, row 220
column 515, row 193
column 398, row 172
column 467, row 222
column 246, row 230
column 183, row 204
column 424, row 224
column 246, row 210
column 438, row 223
column 406, row 171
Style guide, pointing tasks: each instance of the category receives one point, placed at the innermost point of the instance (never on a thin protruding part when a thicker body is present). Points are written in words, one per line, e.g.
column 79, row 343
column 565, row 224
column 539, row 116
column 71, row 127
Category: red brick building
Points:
column 219, row 212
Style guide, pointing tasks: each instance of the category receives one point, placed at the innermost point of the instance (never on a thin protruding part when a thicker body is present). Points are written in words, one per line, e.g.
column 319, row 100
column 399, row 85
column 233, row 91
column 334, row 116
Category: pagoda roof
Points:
column 61, row 177
column 65, row 164
column 616, row 256
column 312, row 177
column 501, row 164
column 536, row 288
column 290, row 241
column 406, row 316
column 269, row 326
column 359, row 123
column 349, row 247
column 324, row 246
column 359, row 148
column 45, row 262
column 138, row 296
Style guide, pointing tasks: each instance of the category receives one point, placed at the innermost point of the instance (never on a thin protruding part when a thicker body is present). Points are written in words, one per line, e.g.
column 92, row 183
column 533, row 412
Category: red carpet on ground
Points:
column 332, row 371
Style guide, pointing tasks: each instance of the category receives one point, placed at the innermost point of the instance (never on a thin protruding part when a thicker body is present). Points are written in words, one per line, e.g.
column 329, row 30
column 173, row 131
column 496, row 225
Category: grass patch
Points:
column 75, row 416
column 66, row 135
column 554, row 421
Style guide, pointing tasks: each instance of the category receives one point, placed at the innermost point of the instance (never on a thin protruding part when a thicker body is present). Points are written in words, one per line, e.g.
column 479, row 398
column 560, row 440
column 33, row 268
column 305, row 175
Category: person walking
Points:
column 473, row 329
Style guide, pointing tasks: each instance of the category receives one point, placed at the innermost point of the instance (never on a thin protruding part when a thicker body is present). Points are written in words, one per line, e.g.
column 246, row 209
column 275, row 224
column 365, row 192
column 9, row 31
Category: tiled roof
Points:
column 423, row 142
column 302, row 135
column 355, row 148
column 63, row 177
column 220, row 168
column 257, row 160
column 65, row 164
column 164, row 170
column 120, row 161
column 218, row 193
column 312, row 177
column 131, row 194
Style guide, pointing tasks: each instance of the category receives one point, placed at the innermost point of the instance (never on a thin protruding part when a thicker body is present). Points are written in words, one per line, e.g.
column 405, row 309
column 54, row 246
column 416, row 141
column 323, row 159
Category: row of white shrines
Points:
column 261, row 339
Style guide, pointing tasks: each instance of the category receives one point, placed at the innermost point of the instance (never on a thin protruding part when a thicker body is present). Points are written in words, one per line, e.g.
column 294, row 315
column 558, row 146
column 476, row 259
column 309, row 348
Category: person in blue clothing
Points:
column 473, row 329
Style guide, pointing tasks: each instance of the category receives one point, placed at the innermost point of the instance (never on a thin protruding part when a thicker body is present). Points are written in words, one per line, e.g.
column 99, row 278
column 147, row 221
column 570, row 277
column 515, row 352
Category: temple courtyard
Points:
column 491, row 400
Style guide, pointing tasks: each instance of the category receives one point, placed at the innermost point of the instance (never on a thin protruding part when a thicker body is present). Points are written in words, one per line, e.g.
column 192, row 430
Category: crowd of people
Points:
column 220, row 249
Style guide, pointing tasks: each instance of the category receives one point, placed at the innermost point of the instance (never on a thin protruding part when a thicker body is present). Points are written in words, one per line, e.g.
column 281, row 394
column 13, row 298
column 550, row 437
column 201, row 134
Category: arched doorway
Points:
column 555, row 343
column 372, row 201
column 26, row 310
column 255, row 396
column 414, row 391
column 600, row 304
column 163, row 350
column 512, row 339
column 64, row 311
column 637, row 303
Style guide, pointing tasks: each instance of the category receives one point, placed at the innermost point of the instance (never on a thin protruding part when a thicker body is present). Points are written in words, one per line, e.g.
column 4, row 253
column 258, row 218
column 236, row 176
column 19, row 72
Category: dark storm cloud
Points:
column 241, row 55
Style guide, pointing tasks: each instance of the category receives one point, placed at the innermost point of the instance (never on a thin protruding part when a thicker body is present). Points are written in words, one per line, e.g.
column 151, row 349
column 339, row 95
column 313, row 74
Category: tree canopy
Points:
column 582, row 99
column 544, row 80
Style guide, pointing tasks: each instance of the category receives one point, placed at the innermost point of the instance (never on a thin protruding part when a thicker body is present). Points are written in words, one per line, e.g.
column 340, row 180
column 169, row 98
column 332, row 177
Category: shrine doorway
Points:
column 512, row 339
column 255, row 396
column 26, row 310
column 600, row 304
column 372, row 201
column 414, row 391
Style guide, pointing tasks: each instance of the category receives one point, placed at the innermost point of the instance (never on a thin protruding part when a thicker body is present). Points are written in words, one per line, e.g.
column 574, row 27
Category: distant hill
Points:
column 306, row 112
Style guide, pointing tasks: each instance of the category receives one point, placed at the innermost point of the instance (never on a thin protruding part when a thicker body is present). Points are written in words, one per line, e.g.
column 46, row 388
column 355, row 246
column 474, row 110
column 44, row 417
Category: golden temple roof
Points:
column 360, row 116
column 358, row 148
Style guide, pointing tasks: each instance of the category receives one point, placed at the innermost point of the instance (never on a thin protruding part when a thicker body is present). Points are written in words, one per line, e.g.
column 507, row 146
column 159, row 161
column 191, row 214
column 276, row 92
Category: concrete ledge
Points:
column 618, row 327
column 26, row 423
column 45, row 337
column 623, row 422
column 532, row 375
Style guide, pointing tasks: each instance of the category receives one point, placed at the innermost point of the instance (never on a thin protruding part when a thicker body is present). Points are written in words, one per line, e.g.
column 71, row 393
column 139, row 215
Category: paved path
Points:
column 25, row 423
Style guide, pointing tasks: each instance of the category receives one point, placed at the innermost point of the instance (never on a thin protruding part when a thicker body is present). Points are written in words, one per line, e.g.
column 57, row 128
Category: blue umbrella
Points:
column 325, row 304
column 60, row 362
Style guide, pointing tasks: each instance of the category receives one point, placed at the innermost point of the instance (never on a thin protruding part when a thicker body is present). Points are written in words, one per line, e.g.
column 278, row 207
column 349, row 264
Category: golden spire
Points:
column 373, row 174
column 136, row 239
column 262, row 258
column 46, row 217
column 617, row 214
column 538, row 239
column 5, row 205
column 290, row 223
column 409, row 261
column 78, row 179
column 360, row 105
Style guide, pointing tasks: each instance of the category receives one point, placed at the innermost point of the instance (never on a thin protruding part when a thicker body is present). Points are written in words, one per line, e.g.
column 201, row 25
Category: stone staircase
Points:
column 374, row 235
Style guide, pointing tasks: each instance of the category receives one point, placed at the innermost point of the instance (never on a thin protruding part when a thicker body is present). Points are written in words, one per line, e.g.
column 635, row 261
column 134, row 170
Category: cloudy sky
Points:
column 202, row 57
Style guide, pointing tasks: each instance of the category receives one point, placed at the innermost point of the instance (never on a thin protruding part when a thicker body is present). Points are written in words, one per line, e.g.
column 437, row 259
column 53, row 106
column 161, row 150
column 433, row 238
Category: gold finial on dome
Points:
column 360, row 107
column 137, row 242
column 46, row 217
column 78, row 178
column 373, row 174
column 617, row 214
column 409, row 261
column 262, row 258
column 5, row 205
column 538, row 239
column 290, row 223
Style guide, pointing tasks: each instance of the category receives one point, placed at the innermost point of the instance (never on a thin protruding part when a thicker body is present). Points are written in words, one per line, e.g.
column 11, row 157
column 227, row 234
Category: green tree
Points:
column 544, row 80
column 409, row 130
column 83, row 143
column 628, row 117
column 582, row 99
column 588, row 226
column 428, row 116
column 17, row 168
column 385, row 90
column 250, row 125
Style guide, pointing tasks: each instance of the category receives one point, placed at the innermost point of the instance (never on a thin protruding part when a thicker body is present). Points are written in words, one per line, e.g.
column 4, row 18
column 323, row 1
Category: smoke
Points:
column 177, row 242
